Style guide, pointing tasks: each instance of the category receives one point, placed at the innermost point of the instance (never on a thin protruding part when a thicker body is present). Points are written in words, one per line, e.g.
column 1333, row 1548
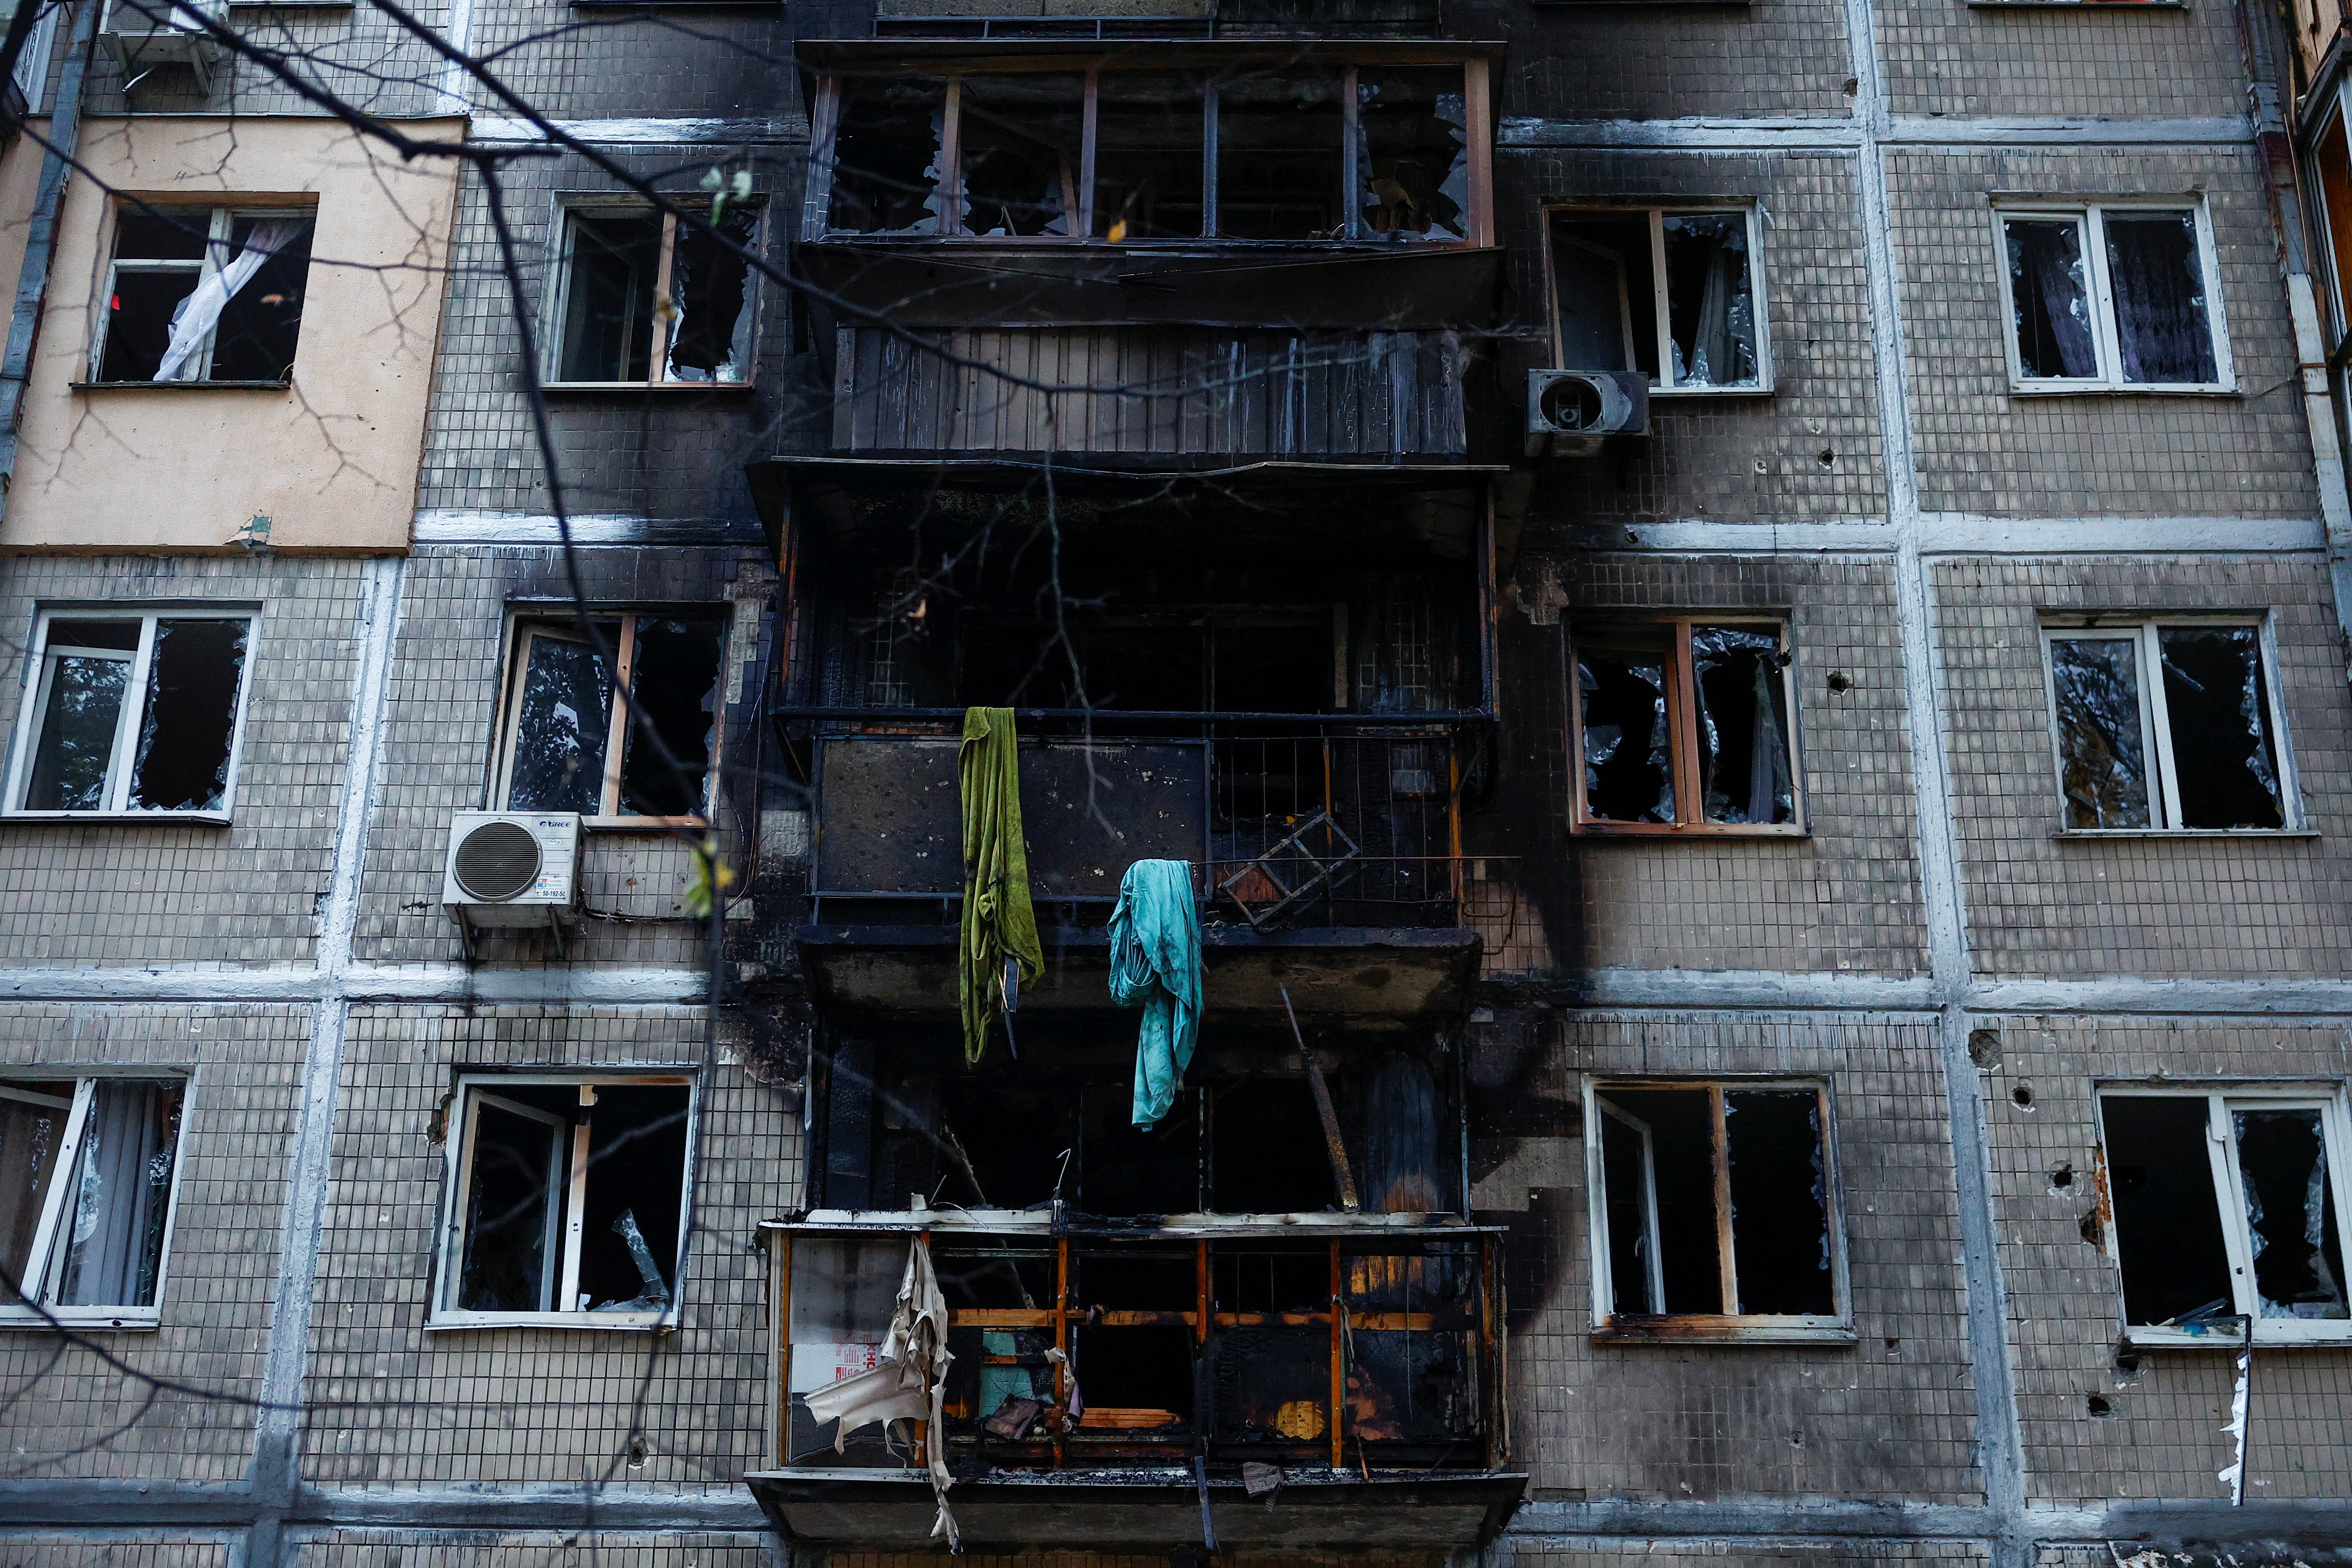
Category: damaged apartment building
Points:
column 1327, row 783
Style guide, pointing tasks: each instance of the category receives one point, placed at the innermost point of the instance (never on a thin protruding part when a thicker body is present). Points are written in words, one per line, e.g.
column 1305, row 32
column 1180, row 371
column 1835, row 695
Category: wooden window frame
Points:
column 568, row 1188
column 2090, row 218
column 524, row 625
column 817, row 225
column 569, row 208
column 1742, row 1327
column 1661, row 384
column 2156, row 729
column 142, row 661
column 79, row 1094
column 2229, row 1194
column 1682, row 720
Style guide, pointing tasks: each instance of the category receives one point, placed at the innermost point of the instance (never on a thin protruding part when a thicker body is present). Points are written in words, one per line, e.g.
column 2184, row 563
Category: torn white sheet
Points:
column 910, row 1383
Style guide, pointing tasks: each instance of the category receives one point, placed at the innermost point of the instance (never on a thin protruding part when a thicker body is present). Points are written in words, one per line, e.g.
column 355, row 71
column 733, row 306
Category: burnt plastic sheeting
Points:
column 1413, row 173
column 1626, row 1171
column 1683, row 1167
column 886, row 163
column 2103, row 762
column 1628, row 762
column 1743, row 713
column 1021, row 136
column 2290, row 1210
column 674, row 680
column 2223, row 752
column 507, row 1260
column 2050, row 291
column 560, row 734
column 2167, row 1223
column 2161, row 328
column 186, row 733
column 608, row 305
column 1710, row 300
column 711, row 337
column 1780, row 1203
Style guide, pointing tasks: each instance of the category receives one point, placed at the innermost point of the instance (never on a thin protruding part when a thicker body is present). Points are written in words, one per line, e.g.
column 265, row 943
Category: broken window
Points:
column 1713, row 1200
column 86, row 1199
column 566, row 1197
column 1684, row 725
column 1281, row 172
column 129, row 713
column 2165, row 725
column 643, row 298
column 1412, row 166
column 568, row 746
column 204, row 294
column 886, row 142
column 1151, row 153
column 2331, row 167
column 1676, row 295
column 2113, row 296
column 2225, row 1207
column 1022, row 149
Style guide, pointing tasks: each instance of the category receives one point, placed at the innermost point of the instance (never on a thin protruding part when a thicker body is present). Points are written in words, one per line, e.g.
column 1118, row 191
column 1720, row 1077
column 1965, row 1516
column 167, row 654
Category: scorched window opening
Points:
column 1674, row 293
column 199, row 295
column 2225, row 1205
column 642, row 299
column 565, row 745
column 2113, row 296
column 91, row 1247
column 1280, row 150
column 1684, row 725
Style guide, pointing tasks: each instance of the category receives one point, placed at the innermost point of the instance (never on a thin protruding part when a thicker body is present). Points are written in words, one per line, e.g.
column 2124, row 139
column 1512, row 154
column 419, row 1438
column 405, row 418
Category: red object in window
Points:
column 114, row 301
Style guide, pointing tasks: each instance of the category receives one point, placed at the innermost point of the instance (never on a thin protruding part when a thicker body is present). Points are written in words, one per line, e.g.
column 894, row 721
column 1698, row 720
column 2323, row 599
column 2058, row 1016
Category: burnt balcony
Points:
column 1251, row 1381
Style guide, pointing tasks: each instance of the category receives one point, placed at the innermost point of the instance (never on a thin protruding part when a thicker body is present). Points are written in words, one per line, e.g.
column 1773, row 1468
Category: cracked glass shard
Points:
column 2050, row 289
column 1710, row 300
column 1412, row 163
column 711, row 295
column 185, row 734
column 886, row 160
column 2222, row 752
column 2291, row 1212
column 1628, row 765
column 2103, row 757
column 674, row 678
column 1743, row 722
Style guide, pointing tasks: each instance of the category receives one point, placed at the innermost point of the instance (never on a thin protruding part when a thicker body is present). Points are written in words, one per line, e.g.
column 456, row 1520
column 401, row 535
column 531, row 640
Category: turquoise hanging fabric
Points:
column 1155, row 964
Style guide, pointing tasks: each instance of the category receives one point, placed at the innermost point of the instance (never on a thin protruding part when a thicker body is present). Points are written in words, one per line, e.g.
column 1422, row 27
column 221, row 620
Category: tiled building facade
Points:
column 1961, row 976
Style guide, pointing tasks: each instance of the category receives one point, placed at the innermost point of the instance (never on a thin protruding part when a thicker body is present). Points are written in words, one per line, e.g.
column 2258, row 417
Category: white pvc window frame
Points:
column 2163, row 780
column 40, row 670
column 76, row 1096
column 570, row 209
column 2229, row 1196
column 1663, row 384
column 219, row 253
column 2090, row 220
column 1753, row 1328
column 568, row 1190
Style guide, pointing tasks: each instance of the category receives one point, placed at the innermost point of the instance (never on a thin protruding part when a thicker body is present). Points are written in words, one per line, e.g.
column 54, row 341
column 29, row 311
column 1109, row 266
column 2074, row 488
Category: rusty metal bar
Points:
column 1682, row 711
column 1340, row 1175
column 1201, row 1318
column 1727, row 1267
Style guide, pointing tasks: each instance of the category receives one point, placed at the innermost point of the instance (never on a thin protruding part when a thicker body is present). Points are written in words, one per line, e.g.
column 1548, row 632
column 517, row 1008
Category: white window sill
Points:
column 640, row 824
column 2102, row 388
column 1723, row 1331
column 209, row 818
column 2077, row 6
column 2092, row 833
column 1710, row 833
column 625, row 1322
column 135, row 1320
column 181, row 385
column 1657, row 391
column 2232, row 1336
column 662, row 386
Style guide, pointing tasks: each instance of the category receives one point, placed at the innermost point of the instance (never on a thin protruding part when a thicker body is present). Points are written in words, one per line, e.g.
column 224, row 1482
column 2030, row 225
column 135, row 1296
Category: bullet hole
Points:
column 1841, row 683
column 1894, row 1346
column 1984, row 1047
column 2023, row 1095
column 2061, row 1176
column 1852, row 86
column 1827, row 460
column 639, row 1452
column 2093, row 1231
column 1797, row 1439
column 2098, row 1404
column 1762, row 467
column 2126, row 1358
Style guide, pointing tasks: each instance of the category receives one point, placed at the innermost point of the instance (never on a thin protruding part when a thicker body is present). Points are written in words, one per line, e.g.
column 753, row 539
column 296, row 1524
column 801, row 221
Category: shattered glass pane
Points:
column 559, row 735
column 1019, row 135
column 1780, row 1203
column 1150, row 149
column 187, row 731
column 1628, row 760
column 261, row 325
column 2291, row 1212
column 608, row 301
column 710, row 294
column 2161, row 326
column 1743, row 725
column 2104, row 771
column 1412, row 163
column 2050, row 290
column 2220, row 714
column 1710, row 300
column 509, row 1213
column 110, row 1251
column 79, row 720
column 2167, row 1223
column 674, row 678
column 886, row 155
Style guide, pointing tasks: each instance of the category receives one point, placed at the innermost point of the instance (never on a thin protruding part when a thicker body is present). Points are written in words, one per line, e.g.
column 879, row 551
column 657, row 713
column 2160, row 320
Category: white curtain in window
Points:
column 193, row 319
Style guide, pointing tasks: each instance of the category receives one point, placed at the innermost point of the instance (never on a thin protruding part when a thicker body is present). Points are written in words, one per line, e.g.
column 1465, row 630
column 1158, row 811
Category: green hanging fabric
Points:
column 998, row 922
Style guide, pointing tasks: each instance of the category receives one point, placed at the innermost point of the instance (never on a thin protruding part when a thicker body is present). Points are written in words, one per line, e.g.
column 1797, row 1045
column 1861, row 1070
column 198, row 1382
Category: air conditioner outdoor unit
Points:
column 142, row 35
column 1569, row 411
column 508, row 868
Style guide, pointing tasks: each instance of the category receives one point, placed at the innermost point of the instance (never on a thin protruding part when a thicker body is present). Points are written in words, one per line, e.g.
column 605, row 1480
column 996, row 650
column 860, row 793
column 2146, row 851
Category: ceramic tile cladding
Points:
column 1891, row 1415
column 2242, row 906
column 145, row 1549
column 1845, row 898
column 1759, row 1554
column 1982, row 450
column 396, row 1407
column 2161, row 1436
column 131, row 892
column 91, row 1421
column 363, row 55
column 724, row 65
column 1807, row 453
column 1661, row 62
column 2133, row 62
column 440, row 723
column 671, row 453
column 537, row 1549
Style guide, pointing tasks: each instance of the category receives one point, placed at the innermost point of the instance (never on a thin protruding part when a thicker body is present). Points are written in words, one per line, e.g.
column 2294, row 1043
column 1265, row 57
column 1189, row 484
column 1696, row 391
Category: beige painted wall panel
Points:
column 332, row 461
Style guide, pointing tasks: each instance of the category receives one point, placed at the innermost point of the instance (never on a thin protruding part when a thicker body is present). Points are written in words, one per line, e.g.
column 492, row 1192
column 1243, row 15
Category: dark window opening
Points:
column 1269, row 1277
column 186, row 736
column 1149, row 157
column 1685, row 724
column 1628, row 745
column 885, row 160
column 204, row 294
column 1780, row 1203
column 1710, row 300
column 608, row 307
column 261, row 324
column 565, row 730
column 2049, row 287
column 710, row 296
column 1280, row 171
column 1413, row 175
column 1269, row 1154
column 2176, row 1264
column 674, row 687
column 2291, row 1212
column 2218, row 766
column 2222, row 749
column 139, row 314
column 1131, row 1171
column 2104, row 773
column 1021, row 144
column 1135, row 1379
column 1605, row 292
column 87, row 755
column 1131, row 1281
column 2162, row 330
column 1743, row 720
column 1015, row 1144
